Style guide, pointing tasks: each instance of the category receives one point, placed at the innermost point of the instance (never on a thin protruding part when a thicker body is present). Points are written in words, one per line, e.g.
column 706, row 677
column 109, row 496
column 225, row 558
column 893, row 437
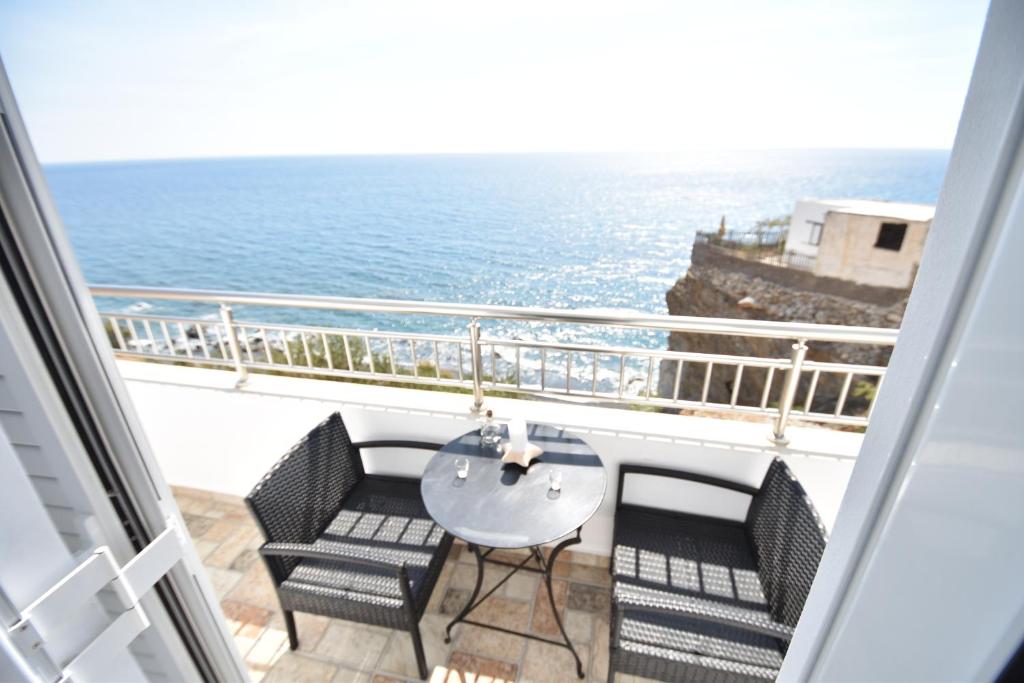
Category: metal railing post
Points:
column 474, row 350
column 236, row 353
column 789, row 392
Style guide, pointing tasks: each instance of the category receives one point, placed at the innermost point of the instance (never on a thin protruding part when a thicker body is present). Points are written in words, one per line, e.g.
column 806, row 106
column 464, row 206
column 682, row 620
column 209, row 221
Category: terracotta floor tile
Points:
column 351, row 676
column 543, row 622
column 197, row 525
column 224, row 580
column 220, row 531
column 598, row 576
column 399, row 657
column 544, row 663
column 245, row 559
column 487, row 643
column 588, row 598
column 296, row 668
column 246, row 620
column 352, row 645
column 467, row 668
column 579, row 626
column 270, row 646
column 254, row 587
column 454, row 600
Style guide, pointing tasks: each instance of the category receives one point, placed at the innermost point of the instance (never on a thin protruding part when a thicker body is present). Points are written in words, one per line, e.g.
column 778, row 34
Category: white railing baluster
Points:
column 287, row 348
column 305, row 350
column 328, row 356
column 767, row 387
column 568, row 371
column 391, row 356
column 679, row 380
column 737, row 378
column 874, row 399
column 167, row 338
column 810, row 391
column 245, row 341
column 369, row 355
column 220, row 342
column 184, row 339
column 135, row 335
column 149, row 334
column 462, row 376
column 348, row 353
column 707, row 384
column 267, row 346
column 494, row 366
column 543, row 368
column 202, row 341
column 841, row 403
column 117, row 334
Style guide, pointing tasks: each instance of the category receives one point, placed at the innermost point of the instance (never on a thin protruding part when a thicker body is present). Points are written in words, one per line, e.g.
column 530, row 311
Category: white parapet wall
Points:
column 207, row 434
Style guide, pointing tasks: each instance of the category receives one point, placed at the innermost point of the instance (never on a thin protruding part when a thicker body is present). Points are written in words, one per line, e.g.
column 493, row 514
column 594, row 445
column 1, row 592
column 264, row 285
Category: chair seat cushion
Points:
column 663, row 558
column 734, row 653
column 383, row 520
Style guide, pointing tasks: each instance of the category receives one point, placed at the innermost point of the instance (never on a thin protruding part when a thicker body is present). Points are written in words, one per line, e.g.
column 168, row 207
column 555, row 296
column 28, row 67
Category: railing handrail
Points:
column 616, row 318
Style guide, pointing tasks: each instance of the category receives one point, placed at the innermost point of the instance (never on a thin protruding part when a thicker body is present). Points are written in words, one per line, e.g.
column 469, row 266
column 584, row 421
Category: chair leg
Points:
column 417, row 644
column 293, row 635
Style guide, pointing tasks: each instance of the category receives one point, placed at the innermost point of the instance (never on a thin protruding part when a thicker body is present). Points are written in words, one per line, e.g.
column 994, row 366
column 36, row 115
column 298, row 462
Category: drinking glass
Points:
column 555, row 479
column 462, row 467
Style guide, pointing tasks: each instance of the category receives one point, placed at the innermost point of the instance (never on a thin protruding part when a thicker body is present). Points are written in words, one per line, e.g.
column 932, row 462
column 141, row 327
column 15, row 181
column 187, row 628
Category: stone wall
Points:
column 715, row 286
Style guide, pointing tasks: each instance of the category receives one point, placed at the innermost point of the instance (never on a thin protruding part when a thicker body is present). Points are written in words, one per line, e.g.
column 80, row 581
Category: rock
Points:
column 730, row 291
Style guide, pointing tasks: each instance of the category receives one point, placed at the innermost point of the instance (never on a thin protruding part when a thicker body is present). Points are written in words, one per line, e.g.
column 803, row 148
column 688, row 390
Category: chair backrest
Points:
column 788, row 540
column 303, row 491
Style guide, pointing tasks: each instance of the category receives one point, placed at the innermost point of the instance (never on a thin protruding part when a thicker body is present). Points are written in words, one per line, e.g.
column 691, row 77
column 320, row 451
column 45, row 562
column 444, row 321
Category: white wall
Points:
column 805, row 211
column 208, row 435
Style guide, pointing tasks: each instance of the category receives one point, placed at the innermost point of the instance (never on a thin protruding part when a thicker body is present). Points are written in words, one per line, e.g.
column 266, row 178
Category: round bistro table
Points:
column 505, row 506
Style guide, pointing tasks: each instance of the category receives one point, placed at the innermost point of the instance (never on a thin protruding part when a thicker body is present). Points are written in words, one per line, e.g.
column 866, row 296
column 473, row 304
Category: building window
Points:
column 890, row 236
column 815, row 236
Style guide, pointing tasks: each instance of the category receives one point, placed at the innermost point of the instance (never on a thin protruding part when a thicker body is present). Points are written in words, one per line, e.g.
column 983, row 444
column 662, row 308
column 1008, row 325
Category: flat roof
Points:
column 880, row 208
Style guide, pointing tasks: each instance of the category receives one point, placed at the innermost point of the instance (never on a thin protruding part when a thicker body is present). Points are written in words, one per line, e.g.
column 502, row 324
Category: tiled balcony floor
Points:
column 335, row 650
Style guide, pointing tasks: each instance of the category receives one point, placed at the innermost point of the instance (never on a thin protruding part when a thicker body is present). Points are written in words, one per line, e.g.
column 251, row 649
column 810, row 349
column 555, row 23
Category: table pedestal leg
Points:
column 546, row 568
column 472, row 598
column 548, row 571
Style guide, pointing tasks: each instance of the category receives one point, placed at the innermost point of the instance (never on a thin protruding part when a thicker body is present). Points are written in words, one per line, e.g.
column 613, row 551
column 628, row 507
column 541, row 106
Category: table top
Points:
column 505, row 506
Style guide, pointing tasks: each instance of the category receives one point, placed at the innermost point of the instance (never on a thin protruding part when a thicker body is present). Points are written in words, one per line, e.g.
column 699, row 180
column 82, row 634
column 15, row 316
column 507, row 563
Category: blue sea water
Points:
column 574, row 231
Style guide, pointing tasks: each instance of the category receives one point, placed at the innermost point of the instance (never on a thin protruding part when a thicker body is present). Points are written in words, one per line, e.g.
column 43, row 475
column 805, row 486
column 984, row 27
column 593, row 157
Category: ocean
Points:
column 572, row 231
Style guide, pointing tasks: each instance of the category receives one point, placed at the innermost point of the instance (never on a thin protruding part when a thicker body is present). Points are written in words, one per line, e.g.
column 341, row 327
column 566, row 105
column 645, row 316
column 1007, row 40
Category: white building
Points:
column 880, row 246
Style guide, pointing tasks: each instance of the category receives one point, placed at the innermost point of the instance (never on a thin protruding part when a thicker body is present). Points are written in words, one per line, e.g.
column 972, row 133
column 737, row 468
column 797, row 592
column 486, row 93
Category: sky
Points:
column 121, row 79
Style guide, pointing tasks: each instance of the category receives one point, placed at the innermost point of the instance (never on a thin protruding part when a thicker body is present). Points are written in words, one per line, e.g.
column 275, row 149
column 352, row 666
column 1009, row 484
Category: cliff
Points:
column 718, row 285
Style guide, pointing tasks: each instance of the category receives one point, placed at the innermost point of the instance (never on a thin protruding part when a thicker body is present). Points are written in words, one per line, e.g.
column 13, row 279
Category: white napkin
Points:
column 517, row 435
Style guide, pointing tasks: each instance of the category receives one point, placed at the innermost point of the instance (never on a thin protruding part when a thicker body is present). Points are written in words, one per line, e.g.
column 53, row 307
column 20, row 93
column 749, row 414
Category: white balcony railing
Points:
column 577, row 372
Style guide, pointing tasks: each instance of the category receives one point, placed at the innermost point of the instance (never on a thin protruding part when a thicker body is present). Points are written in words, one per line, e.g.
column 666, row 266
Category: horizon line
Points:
column 242, row 157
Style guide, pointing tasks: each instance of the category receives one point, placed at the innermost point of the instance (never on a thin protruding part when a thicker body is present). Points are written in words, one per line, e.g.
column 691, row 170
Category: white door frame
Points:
column 972, row 218
column 89, row 403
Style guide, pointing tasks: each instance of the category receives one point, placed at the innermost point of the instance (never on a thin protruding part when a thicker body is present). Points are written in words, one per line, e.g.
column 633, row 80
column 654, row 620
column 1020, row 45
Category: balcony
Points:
column 222, row 399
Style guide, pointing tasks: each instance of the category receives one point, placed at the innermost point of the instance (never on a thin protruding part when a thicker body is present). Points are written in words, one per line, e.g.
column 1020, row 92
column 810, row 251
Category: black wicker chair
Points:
column 706, row 599
column 345, row 544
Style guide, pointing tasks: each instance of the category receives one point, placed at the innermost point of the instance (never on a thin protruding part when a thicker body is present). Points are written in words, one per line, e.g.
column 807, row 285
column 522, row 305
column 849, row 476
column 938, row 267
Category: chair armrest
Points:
column 399, row 443
column 680, row 474
column 312, row 551
column 704, row 610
